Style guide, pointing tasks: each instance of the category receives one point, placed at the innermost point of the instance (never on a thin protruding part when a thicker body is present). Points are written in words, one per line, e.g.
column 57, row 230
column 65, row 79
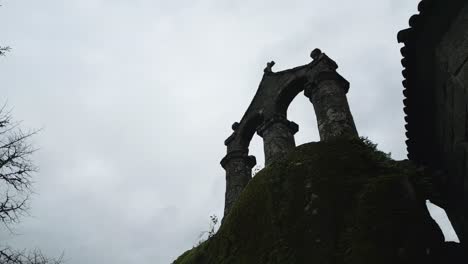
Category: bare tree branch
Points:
column 10, row 256
column 3, row 50
column 16, row 168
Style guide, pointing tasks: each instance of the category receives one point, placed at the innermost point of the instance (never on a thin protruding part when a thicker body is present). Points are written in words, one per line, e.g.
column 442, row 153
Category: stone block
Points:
column 454, row 44
column 462, row 75
column 459, row 110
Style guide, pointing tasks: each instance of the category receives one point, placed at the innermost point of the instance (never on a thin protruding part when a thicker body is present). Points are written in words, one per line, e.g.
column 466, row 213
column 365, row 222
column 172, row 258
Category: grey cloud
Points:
column 136, row 98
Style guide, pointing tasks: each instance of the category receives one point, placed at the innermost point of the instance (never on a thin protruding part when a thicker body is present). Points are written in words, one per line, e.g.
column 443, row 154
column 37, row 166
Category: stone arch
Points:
column 301, row 111
column 248, row 129
column 288, row 93
column 266, row 115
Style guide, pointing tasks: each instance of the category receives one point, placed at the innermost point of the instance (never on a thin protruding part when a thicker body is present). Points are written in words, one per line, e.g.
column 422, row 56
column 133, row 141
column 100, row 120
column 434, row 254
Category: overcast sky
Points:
column 135, row 99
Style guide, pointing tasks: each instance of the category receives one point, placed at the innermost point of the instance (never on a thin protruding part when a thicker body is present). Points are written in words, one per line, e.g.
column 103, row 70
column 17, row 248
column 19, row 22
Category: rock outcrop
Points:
column 338, row 201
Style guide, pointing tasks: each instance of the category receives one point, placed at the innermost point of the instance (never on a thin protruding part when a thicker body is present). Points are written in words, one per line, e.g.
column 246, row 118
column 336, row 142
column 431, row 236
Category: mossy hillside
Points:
column 327, row 202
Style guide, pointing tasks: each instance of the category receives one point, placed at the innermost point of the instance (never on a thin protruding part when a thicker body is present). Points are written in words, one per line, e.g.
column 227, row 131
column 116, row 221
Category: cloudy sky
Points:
column 135, row 98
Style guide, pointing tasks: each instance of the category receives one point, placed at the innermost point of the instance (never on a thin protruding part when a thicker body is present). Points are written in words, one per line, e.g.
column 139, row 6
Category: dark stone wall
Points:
column 435, row 55
column 451, row 117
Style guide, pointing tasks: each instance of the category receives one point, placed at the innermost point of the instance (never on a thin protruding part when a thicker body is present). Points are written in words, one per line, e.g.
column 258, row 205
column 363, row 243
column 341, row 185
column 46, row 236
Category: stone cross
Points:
column 269, row 66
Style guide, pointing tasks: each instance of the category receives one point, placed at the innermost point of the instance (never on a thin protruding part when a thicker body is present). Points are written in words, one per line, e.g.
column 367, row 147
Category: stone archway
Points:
column 266, row 115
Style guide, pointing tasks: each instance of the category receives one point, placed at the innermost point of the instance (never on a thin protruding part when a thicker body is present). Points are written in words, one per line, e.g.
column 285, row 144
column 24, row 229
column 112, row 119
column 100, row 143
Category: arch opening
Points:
column 256, row 149
column 298, row 109
column 302, row 112
column 249, row 128
column 288, row 94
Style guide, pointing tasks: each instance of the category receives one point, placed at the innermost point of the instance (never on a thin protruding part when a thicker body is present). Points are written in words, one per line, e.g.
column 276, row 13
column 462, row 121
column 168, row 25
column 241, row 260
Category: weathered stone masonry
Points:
column 435, row 61
column 267, row 116
column 278, row 137
column 328, row 95
column 238, row 166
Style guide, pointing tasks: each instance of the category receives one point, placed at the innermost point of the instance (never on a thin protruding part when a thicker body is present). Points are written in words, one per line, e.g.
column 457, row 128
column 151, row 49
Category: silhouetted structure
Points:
column 436, row 101
column 352, row 203
column 267, row 115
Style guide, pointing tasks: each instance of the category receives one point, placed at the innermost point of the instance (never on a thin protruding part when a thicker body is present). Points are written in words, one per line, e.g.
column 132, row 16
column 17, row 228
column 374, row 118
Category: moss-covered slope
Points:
column 333, row 202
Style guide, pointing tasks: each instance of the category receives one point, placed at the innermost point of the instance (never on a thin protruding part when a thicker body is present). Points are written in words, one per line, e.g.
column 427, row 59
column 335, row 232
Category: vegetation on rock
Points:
column 328, row 202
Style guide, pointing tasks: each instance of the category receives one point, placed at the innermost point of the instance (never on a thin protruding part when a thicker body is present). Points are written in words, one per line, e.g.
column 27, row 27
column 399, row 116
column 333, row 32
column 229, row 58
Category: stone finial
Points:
column 235, row 126
column 269, row 66
column 315, row 54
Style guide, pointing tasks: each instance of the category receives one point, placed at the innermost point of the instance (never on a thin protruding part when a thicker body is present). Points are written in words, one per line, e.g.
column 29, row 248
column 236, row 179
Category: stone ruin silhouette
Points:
column 267, row 115
column 435, row 73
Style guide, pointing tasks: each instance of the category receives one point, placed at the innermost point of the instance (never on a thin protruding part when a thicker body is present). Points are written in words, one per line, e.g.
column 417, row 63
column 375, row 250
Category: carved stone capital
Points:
column 250, row 161
column 293, row 127
column 326, row 76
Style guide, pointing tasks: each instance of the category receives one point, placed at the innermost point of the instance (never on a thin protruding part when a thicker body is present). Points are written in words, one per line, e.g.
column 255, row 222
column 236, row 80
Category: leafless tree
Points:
column 16, row 170
column 3, row 50
column 10, row 256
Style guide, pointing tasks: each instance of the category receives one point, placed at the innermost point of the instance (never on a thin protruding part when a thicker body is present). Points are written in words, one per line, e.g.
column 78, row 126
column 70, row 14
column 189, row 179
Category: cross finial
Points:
column 269, row 66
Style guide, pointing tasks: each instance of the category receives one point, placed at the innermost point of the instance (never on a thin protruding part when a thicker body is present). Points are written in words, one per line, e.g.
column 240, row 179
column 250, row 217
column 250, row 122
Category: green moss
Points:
column 330, row 202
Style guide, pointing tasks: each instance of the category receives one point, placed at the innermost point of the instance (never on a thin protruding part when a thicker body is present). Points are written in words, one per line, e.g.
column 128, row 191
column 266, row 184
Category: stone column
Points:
column 327, row 92
column 278, row 137
column 238, row 166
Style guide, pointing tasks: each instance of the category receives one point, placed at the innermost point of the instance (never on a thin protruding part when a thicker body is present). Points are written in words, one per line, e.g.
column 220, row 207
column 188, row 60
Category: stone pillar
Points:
column 278, row 137
column 238, row 166
column 327, row 92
